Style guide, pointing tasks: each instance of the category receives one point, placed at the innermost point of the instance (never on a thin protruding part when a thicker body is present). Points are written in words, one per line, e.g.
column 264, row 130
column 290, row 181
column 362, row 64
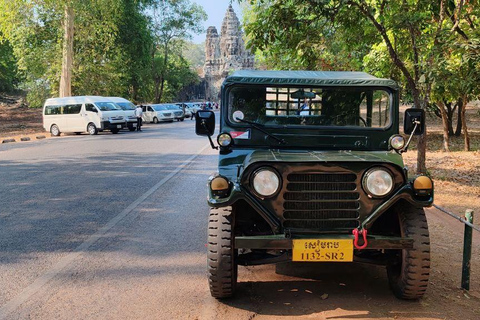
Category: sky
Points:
column 215, row 10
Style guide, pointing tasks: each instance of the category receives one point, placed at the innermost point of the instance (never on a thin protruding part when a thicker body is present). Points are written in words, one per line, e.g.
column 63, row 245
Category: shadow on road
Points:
column 337, row 291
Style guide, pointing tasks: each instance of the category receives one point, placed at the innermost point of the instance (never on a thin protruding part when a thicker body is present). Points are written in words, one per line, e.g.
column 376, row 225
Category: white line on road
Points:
column 41, row 281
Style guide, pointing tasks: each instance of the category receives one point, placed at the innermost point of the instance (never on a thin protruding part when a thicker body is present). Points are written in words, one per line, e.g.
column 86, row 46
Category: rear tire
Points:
column 155, row 120
column 114, row 131
column 222, row 264
column 409, row 270
column 92, row 129
column 132, row 129
column 55, row 130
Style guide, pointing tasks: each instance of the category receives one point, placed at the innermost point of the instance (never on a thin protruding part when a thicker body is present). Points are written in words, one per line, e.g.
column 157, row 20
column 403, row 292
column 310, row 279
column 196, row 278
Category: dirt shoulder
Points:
column 17, row 120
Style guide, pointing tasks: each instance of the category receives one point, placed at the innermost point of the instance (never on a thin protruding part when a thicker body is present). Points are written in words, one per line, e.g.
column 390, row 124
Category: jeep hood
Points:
column 229, row 163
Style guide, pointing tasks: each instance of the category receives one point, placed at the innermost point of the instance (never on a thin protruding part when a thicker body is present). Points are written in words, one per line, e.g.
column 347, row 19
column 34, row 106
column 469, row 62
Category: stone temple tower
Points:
column 224, row 53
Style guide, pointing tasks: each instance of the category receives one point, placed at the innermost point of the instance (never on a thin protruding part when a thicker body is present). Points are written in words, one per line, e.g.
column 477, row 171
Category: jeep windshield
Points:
column 285, row 106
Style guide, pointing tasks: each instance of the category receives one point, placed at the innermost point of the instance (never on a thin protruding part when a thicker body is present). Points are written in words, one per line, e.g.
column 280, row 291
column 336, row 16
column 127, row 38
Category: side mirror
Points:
column 414, row 118
column 204, row 123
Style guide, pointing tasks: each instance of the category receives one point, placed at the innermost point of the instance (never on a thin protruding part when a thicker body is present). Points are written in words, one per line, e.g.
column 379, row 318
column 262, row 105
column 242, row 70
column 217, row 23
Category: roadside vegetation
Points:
column 128, row 48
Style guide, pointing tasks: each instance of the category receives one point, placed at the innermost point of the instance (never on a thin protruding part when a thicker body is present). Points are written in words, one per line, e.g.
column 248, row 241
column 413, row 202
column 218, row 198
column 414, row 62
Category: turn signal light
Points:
column 219, row 186
column 423, row 186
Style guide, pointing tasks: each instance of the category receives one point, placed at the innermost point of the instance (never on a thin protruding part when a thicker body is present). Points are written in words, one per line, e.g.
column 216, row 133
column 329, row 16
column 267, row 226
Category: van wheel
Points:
column 54, row 130
column 92, row 129
column 221, row 255
column 409, row 270
column 132, row 129
column 114, row 131
column 155, row 120
column 78, row 133
column 182, row 119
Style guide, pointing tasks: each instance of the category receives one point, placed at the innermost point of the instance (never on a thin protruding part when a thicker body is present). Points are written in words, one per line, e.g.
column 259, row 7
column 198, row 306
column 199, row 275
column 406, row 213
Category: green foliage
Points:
column 113, row 46
column 173, row 22
column 8, row 68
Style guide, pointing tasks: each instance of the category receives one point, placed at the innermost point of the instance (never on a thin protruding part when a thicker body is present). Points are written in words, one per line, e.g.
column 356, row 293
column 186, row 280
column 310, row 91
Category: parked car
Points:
column 82, row 114
column 129, row 110
column 186, row 109
column 177, row 111
column 156, row 113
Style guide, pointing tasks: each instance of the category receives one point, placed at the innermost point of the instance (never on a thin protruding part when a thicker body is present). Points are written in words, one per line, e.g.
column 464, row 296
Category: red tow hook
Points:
column 363, row 232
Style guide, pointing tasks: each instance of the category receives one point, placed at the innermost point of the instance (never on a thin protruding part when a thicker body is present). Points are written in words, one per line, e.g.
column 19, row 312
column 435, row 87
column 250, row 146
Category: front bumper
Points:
column 107, row 125
column 281, row 242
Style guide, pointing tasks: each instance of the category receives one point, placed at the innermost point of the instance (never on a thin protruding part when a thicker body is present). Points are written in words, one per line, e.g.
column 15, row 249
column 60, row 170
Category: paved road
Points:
column 114, row 227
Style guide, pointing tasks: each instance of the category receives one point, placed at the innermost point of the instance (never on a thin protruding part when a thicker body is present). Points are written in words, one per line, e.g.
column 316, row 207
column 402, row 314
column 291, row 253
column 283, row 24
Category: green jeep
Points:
column 310, row 169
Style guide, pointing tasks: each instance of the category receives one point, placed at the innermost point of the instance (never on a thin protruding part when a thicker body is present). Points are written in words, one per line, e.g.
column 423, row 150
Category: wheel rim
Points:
column 91, row 129
column 55, row 130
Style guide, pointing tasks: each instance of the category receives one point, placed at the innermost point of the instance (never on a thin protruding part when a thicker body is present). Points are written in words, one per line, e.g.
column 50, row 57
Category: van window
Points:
column 53, row 110
column 90, row 107
column 72, row 109
column 150, row 109
column 107, row 106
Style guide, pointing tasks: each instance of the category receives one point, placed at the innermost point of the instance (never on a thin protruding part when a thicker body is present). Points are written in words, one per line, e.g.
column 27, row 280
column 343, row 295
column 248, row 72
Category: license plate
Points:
column 324, row 250
column 119, row 126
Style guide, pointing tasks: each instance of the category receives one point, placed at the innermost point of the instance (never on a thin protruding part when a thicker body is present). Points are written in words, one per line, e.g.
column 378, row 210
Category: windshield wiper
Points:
column 258, row 126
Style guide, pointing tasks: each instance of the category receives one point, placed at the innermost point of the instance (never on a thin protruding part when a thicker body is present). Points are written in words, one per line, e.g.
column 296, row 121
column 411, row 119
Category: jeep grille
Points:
column 321, row 201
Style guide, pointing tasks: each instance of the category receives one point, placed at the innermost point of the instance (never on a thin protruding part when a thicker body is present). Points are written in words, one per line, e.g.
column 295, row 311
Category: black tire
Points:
column 132, row 129
column 55, row 130
column 155, row 120
column 114, row 131
column 92, row 129
column 182, row 119
column 409, row 269
column 78, row 133
column 222, row 265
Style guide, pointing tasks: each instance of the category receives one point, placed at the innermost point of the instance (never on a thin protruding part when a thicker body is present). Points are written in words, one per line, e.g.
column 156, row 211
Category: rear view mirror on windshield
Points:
column 204, row 123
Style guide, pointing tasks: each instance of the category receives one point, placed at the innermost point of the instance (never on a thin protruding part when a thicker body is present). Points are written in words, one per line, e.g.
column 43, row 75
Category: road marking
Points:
column 41, row 281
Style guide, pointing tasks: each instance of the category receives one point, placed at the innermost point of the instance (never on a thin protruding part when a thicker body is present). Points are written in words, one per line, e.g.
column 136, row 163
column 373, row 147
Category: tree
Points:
column 173, row 20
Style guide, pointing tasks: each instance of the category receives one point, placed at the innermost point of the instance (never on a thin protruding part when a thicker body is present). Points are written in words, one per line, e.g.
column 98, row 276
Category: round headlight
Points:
column 397, row 142
column 266, row 182
column 224, row 139
column 378, row 182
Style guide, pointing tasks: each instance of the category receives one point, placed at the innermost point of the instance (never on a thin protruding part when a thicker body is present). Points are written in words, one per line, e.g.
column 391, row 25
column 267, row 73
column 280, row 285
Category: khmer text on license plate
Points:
column 324, row 250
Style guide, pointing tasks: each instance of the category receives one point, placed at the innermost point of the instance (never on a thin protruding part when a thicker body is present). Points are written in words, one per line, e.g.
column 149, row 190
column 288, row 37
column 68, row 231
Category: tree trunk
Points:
column 157, row 90
column 446, row 138
column 458, row 131
column 67, row 61
column 164, row 71
column 464, row 125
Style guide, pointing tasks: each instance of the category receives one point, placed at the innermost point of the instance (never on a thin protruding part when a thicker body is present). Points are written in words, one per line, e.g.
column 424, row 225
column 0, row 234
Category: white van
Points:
column 129, row 110
column 156, row 113
column 82, row 114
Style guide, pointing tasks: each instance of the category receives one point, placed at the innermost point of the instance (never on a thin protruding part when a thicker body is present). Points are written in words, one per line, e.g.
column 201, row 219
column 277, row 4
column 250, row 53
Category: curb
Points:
column 28, row 138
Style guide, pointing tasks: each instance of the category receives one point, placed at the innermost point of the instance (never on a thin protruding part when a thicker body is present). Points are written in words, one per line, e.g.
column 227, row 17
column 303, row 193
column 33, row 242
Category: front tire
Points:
column 114, row 131
column 155, row 120
column 92, row 129
column 409, row 270
column 222, row 264
column 54, row 130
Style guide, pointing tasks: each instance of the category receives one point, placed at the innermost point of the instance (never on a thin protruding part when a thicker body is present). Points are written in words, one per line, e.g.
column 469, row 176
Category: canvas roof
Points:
column 314, row 78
